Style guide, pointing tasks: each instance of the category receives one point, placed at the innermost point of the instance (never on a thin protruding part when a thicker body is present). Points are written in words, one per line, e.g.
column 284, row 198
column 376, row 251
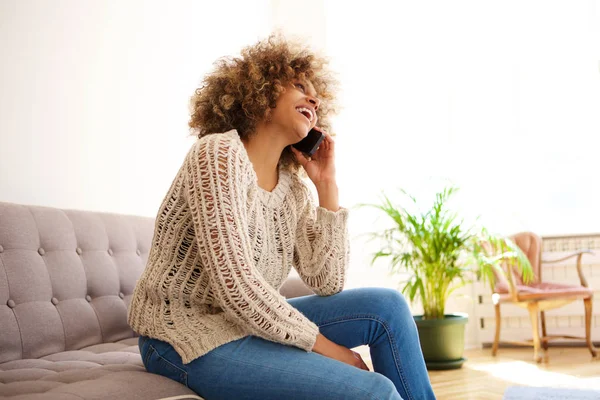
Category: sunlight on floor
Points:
column 523, row 373
column 484, row 377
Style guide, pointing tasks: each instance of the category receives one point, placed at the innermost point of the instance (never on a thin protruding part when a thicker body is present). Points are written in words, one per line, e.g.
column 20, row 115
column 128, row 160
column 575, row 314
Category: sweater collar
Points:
column 276, row 196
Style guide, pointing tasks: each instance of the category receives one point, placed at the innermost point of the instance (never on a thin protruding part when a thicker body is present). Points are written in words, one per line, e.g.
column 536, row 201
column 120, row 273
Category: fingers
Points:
column 327, row 145
column 328, row 137
column 329, row 142
column 300, row 156
column 325, row 149
column 362, row 364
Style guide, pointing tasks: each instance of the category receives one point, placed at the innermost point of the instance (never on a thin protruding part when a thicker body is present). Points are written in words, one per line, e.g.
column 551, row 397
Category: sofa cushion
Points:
column 103, row 371
column 66, row 278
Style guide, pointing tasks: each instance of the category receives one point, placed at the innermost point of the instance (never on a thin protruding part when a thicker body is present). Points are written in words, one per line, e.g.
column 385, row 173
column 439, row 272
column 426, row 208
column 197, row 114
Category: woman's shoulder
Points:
column 221, row 151
column 227, row 140
column 225, row 146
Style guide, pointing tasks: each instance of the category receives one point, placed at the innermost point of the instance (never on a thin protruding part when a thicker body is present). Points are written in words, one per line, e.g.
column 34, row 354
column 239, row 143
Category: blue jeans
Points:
column 258, row 369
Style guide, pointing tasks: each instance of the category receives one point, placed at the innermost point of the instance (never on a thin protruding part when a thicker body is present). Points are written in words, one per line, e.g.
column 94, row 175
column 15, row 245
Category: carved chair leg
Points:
column 534, row 314
column 544, row 333
column 497, row 336
column 588, row 326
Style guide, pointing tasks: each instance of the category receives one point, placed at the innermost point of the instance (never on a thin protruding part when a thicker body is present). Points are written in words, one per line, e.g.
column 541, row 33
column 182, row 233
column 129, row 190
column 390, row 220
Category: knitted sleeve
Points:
column 322, row 248
column 215, row 177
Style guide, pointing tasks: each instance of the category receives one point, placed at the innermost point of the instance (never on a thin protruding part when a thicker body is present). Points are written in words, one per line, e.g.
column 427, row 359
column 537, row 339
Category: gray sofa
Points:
column 66, row 279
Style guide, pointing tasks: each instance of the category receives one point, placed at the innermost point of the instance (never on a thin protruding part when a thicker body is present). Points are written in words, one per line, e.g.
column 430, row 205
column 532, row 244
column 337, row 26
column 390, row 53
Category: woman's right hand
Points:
column 338, row 352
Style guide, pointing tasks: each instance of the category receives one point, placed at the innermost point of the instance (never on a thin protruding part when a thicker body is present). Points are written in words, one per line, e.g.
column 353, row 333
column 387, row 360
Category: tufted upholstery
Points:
column 66, row 280
column 68, row 275
column 103, row 371
column 531, row 245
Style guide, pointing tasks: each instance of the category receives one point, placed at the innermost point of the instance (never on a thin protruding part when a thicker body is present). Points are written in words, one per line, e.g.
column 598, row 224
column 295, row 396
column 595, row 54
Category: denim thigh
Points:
column 160, row 358
column 254, row 368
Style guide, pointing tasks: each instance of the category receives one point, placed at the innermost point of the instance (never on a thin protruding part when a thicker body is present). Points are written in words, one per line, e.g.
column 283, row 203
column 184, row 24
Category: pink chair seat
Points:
column 545, row 290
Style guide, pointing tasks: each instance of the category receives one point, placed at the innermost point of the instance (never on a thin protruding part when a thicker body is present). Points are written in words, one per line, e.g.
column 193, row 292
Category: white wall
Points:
column 503, row 98
column 94, row 95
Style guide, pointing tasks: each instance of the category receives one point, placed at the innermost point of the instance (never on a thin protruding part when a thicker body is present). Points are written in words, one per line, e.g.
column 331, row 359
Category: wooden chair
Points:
column 538, row 296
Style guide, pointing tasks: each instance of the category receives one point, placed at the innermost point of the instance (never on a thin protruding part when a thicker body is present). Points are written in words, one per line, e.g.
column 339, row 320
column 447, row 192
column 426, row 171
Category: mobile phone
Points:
column 310, row 143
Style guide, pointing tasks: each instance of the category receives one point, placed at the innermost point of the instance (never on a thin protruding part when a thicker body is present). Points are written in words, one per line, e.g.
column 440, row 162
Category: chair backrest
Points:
column 66, row 277
column 531, row 245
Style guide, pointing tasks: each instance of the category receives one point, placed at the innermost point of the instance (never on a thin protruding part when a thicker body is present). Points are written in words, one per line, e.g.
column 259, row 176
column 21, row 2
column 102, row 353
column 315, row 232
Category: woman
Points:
column 235, row 220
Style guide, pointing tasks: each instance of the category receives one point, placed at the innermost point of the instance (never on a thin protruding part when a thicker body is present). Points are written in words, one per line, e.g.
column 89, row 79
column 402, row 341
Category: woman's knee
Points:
column 387, row 299
column 381, row 387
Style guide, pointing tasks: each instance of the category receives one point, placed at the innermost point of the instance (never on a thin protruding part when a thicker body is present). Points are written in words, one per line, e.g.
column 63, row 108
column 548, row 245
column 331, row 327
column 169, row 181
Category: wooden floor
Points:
column 486, row 377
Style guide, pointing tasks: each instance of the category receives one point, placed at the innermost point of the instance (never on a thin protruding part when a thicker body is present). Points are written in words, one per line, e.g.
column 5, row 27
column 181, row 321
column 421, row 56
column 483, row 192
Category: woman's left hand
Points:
column 320, row 168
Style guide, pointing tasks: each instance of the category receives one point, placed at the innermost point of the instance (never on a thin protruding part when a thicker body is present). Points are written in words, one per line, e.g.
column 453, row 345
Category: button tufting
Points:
column 1, row 249
column 79, row 251
column 110, row 252
column 11, row 303
column 138, row 252
column 41, row 251
column 121, row 295
column 88, row 298
column 54, row 301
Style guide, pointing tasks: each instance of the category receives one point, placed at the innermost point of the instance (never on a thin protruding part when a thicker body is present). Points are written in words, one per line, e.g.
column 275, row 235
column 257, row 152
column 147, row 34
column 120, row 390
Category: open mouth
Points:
column 306, row 112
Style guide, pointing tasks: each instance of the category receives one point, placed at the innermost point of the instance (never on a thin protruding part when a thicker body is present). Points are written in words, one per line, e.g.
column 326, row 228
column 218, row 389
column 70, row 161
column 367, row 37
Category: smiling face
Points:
column 295, row 112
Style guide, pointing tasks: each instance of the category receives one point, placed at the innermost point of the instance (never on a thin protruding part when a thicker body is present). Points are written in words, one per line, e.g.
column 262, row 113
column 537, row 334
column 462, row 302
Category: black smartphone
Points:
column 310, row 143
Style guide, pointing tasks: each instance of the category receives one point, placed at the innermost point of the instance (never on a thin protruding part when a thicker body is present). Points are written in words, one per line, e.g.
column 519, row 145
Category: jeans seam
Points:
column 147, row 356
column 182, row 371
column 390, row 337
column 289, row 373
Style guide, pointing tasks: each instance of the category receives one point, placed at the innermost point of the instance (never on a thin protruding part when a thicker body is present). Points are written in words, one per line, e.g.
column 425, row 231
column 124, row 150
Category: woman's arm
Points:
column 328, row 196
column 321, row 252
column 215, row 191
column 321, row 249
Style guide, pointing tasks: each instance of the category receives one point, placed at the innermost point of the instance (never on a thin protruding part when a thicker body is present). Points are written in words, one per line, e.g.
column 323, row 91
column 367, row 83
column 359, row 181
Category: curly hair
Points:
column 240, row 91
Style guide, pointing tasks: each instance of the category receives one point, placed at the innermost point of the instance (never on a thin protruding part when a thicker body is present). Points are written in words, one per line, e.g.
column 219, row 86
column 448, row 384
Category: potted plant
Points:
column 441, row 254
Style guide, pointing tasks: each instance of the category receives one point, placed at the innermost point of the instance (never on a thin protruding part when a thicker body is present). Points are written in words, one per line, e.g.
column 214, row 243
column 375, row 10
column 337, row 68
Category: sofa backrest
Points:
column 66, row 277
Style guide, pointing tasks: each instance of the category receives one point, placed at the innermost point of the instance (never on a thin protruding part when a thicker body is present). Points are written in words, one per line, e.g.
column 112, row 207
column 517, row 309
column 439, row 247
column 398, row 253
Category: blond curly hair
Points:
column 240, row 91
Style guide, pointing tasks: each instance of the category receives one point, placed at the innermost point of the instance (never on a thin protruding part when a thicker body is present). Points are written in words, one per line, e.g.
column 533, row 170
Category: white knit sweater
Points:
column 223, row 247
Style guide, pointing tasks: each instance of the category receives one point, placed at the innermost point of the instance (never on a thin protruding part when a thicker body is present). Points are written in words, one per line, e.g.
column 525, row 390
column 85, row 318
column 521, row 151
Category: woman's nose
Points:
column 316, row 102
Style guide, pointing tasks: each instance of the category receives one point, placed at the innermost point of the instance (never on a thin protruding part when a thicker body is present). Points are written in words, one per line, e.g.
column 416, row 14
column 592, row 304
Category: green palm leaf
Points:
column 440, row 252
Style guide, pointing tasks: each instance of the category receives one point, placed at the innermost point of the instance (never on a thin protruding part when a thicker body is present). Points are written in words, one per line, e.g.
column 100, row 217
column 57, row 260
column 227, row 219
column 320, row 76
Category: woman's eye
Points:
column 301, row 86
